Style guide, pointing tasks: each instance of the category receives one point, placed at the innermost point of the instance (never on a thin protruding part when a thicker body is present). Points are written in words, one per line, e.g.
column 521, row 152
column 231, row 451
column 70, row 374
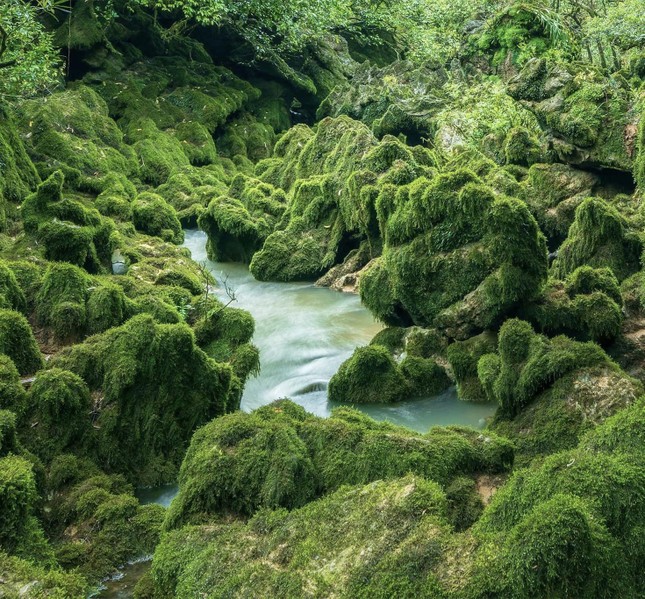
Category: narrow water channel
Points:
column 305, row 333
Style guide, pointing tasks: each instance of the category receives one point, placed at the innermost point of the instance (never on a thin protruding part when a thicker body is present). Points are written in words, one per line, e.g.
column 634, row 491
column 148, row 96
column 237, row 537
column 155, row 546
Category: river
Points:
column 304, row 333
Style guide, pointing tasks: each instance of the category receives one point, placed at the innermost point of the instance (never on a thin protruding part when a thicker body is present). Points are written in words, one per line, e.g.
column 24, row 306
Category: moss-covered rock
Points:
column 587, row 306
column 153, row 215
column 456, row 257
column 71, row 130
column 98, row 525
column 58, row 413
column 599, row 236
column 17, row 341
column 155, row 386
column 372, row 375
column 280, row 456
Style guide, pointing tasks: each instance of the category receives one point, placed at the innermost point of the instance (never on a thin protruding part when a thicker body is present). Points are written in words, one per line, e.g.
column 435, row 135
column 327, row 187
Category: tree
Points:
column 29, row 63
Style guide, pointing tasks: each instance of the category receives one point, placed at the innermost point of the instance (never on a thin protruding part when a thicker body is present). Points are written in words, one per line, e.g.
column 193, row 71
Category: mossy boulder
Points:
column 600, row 237
column 587, row 306
column 281, row 456
column 153, row 215
column 17, row 341
column 237, row 224
column 71, row 130
column 457, row 257
column 372, row 375
column 98, row 524
column 156, row 386
column 58, row 413
column 12, row 393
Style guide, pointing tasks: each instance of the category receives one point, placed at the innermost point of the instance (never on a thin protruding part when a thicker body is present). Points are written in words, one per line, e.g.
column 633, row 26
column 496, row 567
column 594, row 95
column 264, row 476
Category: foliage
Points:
column 29, row 63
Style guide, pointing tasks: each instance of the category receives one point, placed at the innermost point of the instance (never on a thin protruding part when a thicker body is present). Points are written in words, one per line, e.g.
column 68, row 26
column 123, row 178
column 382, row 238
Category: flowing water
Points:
column 304, row 333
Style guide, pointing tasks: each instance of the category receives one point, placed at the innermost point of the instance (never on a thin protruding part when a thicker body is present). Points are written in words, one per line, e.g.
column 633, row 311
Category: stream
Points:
column 304, row 333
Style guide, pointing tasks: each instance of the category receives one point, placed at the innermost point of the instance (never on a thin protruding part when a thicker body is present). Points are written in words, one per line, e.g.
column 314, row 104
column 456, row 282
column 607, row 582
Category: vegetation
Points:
column 473, row 170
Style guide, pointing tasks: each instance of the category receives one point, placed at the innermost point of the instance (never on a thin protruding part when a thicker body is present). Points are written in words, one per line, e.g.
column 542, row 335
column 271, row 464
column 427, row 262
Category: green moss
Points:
column 575, row 552
column 18, row 497
column 8, row 438
column 599, row 237
column 11, row 295
column 487, row 254
column 156, row 386
column 463, row 357
column 520, row 147
column 58, row 413
column 197, row 143
column 314, row 535
column 371, row 376
column 72, row 130
column 153, row 215
column 280, row 456
column 17, row 341
column 41, row 581
column 531, row 363
column 12, row 393
column 99, row 525
column 464, row 503
column 18, row 177
column 587, row 306
column 61, row 301
column 424, row 376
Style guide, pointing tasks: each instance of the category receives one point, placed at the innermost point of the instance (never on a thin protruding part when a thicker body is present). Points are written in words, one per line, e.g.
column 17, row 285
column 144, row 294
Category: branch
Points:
column 3, row 41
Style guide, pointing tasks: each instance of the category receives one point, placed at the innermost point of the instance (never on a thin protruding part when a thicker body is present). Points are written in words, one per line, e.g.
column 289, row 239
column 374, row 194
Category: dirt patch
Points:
column 487, row 485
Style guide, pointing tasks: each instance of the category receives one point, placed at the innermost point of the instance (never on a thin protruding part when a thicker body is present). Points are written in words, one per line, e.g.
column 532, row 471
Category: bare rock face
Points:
column 345, row 277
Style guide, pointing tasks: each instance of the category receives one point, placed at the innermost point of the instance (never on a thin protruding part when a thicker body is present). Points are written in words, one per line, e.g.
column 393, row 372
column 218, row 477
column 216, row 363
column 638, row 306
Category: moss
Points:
column 391, row 338
column 520, row 147
column 8, row 438
column 72, row 130
column 183, row 562
column 463, row 357
column 17, row 341
column 18, row 495
column 99, row 525
column 12, row 393
column 11, row 295
column 41, row 581
column 483, row 260
column 107, row 307
column 587, row 306
column 153, row 215
column 58, row 413
column 371, row 376
column 599, row 237
column 197, row 143
column 61, row 301
column 424, row 376
column 531, row 363
column 464, row 503
column 176, row 386
column 232, row 325
column 574, row 551
column 19, row 177
column 280, row 456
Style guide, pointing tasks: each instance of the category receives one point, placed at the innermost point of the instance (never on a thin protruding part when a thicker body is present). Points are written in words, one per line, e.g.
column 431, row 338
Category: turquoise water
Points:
column 305, row 333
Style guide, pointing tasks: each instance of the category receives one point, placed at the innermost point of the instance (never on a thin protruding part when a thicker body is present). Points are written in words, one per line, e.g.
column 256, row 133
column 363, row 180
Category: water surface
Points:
column 304, row 334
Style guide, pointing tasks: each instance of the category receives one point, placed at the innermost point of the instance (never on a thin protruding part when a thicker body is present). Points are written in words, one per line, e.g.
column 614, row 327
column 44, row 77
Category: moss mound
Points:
column 155, row 387
column 281, row 456
column 17, row 341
